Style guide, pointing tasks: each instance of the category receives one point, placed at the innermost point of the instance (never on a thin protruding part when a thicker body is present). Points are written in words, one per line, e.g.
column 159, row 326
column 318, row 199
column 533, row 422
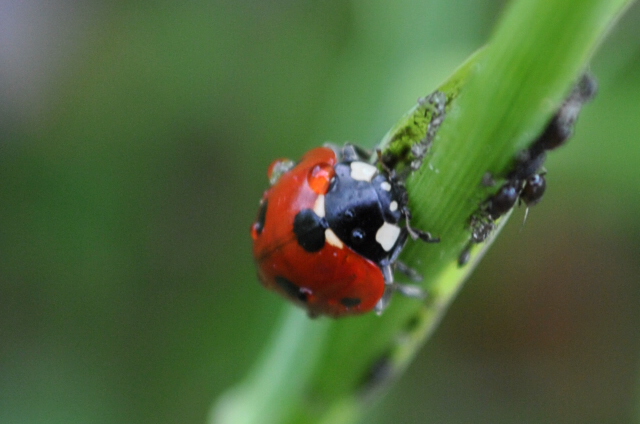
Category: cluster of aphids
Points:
column 526, row 182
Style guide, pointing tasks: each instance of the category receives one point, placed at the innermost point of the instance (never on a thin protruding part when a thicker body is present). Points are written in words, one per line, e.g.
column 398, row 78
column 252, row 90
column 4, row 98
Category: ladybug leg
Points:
column 422, row 235
column 351, row 152
column 410, row 290
column 383, row 303
column 380, row 159
column 414, row 232
column 408, row 271
column 393, row 258
column 407, row 290
column 388, row 266
column 387, row 271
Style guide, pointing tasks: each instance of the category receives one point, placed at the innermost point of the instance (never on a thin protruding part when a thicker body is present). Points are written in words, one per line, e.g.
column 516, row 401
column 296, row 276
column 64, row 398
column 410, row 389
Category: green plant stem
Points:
column 498, row 103
column 277, row 382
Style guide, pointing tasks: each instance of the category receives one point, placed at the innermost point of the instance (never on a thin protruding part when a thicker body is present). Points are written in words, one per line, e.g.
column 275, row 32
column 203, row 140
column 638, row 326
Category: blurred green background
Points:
column 134, row 141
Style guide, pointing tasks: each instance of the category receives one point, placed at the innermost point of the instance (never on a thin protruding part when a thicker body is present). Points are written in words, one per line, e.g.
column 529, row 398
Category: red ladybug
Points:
column 329, row 232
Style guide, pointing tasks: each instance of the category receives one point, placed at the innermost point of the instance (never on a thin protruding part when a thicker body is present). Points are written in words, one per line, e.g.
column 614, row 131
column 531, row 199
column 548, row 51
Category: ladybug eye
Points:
column 349, row 214
column 357, row 236
column 320, row 177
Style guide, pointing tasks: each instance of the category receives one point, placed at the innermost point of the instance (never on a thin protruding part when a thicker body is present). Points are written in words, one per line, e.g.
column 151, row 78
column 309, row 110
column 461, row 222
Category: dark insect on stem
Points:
column 526, row 182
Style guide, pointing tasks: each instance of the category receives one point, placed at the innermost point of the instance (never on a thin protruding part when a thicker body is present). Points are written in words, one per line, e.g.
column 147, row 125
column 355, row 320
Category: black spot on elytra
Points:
column 262, row 217
column 350, row 302
column 309, row 229
column 291, row 289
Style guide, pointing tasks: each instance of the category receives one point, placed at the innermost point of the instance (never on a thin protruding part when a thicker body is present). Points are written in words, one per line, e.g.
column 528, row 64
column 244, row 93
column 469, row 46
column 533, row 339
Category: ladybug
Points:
column 329, row 231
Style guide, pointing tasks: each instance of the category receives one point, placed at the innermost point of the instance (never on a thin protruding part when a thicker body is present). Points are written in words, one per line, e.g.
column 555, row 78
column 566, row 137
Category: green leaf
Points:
column 272, row 389
column 324, row 371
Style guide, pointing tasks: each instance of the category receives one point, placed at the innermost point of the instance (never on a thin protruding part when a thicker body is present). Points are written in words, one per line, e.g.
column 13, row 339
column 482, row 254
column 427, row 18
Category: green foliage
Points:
column 135, row 139
column 496, row 104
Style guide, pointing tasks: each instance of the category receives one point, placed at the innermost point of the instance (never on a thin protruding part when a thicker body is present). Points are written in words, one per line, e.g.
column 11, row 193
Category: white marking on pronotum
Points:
column 387, row 236
column 393, row 206
column 318, row 206
column 362, row 171
column 385, row 186
column 333, row 239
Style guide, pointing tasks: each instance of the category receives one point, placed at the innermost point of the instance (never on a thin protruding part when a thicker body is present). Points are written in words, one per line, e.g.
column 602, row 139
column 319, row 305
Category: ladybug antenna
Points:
column 408, row 271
